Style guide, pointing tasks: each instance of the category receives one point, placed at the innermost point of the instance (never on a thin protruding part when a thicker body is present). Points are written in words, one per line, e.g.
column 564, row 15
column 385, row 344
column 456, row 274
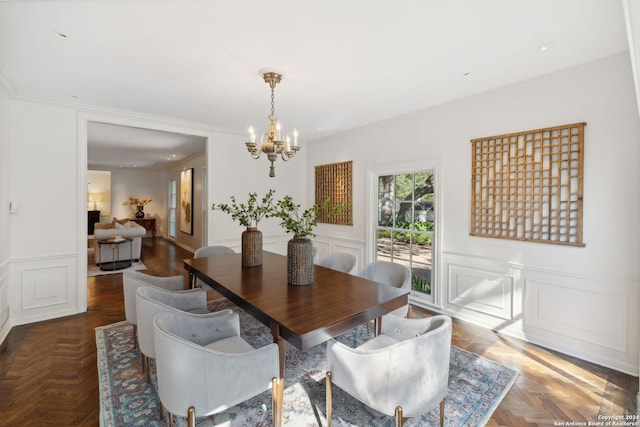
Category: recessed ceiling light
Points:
column 467, row 74
column 62, row 35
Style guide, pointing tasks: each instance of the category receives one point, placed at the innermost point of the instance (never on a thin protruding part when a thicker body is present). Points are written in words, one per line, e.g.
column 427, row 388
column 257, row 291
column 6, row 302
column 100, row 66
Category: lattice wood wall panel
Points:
column 334, row 182
column 528, row 185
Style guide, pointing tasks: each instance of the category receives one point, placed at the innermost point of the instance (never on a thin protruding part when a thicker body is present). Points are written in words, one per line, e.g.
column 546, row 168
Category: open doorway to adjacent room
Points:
column 129, row 171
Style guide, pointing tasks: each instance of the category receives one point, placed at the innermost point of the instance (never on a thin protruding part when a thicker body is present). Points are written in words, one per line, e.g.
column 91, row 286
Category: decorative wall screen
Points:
column 528, row 185
column 333, row 181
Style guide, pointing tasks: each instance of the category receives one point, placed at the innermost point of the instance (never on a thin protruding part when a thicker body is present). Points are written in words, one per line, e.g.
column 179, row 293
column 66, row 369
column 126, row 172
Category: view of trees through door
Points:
column 405, row 226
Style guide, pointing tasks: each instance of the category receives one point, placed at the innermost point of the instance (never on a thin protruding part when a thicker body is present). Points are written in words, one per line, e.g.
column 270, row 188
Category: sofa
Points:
column 124, row 228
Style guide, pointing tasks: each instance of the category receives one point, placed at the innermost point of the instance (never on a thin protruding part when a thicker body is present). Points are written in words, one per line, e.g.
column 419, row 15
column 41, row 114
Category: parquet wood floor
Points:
column 48, row 374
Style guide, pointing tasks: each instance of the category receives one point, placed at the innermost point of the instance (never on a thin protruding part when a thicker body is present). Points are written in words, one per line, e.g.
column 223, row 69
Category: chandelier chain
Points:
column 273, row 108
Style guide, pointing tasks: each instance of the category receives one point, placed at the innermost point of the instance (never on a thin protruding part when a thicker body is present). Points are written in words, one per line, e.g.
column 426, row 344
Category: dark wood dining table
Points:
column 304, row 316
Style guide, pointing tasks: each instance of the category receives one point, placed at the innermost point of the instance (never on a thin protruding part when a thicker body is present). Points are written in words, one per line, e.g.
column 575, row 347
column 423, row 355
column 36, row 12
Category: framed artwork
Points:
column 334, row 182
column 186, row 201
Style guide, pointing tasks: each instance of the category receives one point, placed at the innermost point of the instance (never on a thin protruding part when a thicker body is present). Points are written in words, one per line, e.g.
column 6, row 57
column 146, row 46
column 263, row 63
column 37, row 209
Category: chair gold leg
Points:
column 277, row 391
column 400, row 419
column 135, row 337
column 170, row 415
column 442, row 412
column 191, row 417
column 148, row 363
column 329, row 399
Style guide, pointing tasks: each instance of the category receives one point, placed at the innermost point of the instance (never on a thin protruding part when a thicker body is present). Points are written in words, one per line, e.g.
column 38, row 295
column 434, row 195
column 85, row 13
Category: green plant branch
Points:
column 248, row 214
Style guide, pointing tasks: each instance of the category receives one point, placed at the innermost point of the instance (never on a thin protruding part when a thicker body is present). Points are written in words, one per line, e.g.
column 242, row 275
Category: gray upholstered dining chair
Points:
column 132, row 280
column 207, row 251
column 203, row 365
column 151, row 301
column 404, row 371
column 391, row 274
column 340, row 261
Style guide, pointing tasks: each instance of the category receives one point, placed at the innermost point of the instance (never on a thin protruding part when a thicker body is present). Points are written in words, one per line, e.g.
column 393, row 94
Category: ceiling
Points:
column 114, row 146
column 345, row 64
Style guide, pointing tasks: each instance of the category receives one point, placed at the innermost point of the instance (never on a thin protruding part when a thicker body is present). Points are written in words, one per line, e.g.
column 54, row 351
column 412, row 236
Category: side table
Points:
column 114, row 245
column 148, row 223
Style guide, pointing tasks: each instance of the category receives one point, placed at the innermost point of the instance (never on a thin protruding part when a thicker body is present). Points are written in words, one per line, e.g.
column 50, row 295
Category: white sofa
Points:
column 124, row 228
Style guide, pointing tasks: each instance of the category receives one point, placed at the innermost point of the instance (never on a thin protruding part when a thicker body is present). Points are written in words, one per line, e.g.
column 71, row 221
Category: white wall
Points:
column 142, row 184
column 583, row 301
column 5, row 231
column 45, row 182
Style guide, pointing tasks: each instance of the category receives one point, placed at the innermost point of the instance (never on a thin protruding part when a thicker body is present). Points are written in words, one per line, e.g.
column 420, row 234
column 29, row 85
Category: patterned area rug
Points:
column 476, row 386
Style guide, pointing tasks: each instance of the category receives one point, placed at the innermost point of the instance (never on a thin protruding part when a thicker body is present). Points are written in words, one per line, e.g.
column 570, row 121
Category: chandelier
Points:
column 272, row 141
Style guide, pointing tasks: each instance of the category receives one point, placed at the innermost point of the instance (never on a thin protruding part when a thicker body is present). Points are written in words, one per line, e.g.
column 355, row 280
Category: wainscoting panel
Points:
column 485, row 291
column 44, row 288
column 570, row 308
column 5, row 324
column 592, row 318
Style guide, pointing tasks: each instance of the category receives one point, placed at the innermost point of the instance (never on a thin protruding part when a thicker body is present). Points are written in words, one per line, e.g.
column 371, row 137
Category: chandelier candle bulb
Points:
column 295, row 137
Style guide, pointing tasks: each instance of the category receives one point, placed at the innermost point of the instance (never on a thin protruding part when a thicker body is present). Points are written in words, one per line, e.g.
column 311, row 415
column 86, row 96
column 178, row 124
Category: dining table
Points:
column 304, row 316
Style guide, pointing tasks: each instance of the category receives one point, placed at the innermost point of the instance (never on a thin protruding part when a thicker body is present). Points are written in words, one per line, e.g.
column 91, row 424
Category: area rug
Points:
column 94, row 270
column 476, row 386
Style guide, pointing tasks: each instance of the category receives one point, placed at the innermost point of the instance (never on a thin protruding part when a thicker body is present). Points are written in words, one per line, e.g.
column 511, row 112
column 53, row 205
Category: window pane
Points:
column 402, row 249
column 422, row 263
column 383, row 250
column 404, row 215
column 404, row 187
column 386, row 198
column 404, row 200
column 421, row 278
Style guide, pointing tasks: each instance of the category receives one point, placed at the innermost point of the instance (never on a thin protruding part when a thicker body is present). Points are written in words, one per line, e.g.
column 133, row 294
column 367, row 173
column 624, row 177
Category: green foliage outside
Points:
column 405, row 237
column 420, row 285
column 406, row 217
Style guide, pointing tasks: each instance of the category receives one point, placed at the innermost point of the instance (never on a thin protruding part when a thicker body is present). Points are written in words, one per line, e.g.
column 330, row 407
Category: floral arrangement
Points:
column 139, row 202
column 301, row 225
column 250, row 213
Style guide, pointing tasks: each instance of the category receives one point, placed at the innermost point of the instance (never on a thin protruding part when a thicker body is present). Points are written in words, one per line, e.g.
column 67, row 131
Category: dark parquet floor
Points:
column 48, row 374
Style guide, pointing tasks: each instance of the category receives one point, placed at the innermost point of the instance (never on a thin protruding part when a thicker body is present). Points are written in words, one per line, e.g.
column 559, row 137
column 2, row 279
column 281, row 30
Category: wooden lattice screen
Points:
column 528, row 185
column 333, row 182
